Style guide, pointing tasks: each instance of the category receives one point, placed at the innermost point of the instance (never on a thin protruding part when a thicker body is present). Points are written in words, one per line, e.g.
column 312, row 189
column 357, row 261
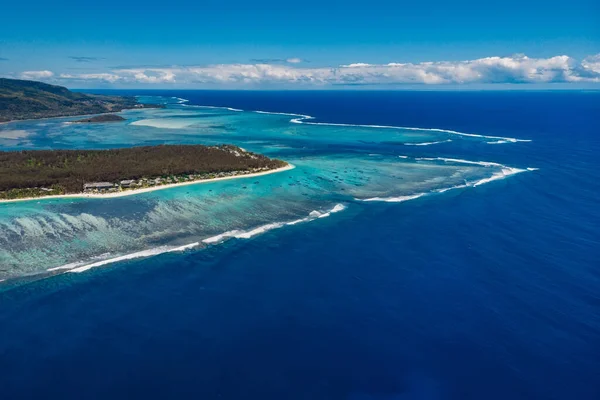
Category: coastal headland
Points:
column 34, row 174
column 21, row 100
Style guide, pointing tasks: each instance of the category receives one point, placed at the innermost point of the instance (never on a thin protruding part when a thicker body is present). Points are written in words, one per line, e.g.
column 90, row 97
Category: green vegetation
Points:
column 30, row 100
column 101, row 118
column 33, row 173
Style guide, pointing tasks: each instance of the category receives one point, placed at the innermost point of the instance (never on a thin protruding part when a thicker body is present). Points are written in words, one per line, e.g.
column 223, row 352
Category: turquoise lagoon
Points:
column 338, row 167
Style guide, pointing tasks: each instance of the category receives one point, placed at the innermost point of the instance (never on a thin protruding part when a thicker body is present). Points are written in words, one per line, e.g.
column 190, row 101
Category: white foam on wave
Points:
column 82, row 266
column 337, row 208
column 442, row 190
column 238, row 234
column 132, row 256
column 216, row 107
column 505, row 139
column 303, row 119
column 504, row 172
column 185, row 247
column 66, row 266
column 140, row 254
column 282, row 113
column 460, row 161
column 221, row 237
column 259, row 230
column 397, row 199
column 180, row 100
column 403, row 156
column 427, row 143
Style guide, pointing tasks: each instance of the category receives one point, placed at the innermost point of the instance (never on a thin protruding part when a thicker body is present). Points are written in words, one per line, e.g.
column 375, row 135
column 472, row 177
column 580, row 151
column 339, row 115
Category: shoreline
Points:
column 62, row 116
column 133, row 192
column 76, row 115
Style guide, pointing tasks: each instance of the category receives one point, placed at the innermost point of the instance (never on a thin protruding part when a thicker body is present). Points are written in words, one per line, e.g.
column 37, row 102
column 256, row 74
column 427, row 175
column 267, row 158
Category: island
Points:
column 100, row 119
column 20, row 99
column 31, row 174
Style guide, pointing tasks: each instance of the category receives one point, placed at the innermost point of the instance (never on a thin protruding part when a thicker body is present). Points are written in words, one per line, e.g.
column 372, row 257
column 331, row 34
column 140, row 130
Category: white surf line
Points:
column 500, row 138
column 180, row 100
column 461, row 161
column 81, row 266
column 239, row 234
column 303, row 119
column 218, row 107
column 150, row 189
column 66, row 266
column 505, row 172
column 427, row 143
column 140, row 254
column 397, row 199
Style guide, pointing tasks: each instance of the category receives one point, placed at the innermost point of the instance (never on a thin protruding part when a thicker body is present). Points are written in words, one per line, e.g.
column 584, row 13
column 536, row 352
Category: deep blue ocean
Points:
column 487, row 293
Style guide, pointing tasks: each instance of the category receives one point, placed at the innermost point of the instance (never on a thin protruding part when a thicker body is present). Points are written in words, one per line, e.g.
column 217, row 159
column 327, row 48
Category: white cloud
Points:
column 489, row 70
column 111, row 78
column 294, row 60
column 590, row 66
column 148, row 75
column 37, row 74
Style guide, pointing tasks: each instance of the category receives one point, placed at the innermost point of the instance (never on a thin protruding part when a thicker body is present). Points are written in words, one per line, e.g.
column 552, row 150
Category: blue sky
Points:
column 185, row 44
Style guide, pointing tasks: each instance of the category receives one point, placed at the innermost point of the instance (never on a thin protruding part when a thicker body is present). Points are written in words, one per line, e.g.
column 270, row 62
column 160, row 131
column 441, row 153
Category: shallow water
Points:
column 335, row 163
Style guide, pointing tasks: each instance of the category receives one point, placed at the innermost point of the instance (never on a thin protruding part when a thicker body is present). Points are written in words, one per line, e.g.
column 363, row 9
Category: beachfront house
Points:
column 99, row 186
column 127, row 183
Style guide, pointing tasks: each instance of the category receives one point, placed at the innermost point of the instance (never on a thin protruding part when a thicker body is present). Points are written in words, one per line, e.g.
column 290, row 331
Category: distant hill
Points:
column 21, row 99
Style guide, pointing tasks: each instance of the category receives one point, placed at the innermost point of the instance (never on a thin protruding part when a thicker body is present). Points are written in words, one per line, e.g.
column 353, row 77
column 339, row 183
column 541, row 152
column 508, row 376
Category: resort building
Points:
column 127, row 183
column 100, row 186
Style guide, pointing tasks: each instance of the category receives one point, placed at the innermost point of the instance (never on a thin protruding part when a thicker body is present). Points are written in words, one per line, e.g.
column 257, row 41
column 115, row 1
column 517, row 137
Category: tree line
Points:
column 70, row 169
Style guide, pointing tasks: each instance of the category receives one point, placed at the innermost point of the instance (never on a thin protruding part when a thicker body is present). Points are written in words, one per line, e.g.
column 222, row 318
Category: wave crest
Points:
column 82, row 266
column 304, row 119
column 504, row 172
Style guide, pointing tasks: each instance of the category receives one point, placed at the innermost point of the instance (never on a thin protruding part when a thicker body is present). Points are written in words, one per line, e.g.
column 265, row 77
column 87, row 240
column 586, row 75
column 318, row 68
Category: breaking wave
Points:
column 240, row 234
column 304, row 119
column 217, row 107
column 460, row 161
column 504, row 172
column 140, row 254
column 180, row 100
column 397, row 199
column 82, row 266
column 427, row 143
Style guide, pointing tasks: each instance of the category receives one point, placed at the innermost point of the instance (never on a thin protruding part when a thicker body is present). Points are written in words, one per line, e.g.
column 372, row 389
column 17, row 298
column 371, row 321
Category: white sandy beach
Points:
column 133, row 192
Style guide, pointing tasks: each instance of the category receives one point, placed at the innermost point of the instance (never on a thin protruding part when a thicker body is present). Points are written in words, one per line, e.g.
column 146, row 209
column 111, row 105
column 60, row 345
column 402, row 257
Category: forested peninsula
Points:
column 20, row 99
column 37, row 173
